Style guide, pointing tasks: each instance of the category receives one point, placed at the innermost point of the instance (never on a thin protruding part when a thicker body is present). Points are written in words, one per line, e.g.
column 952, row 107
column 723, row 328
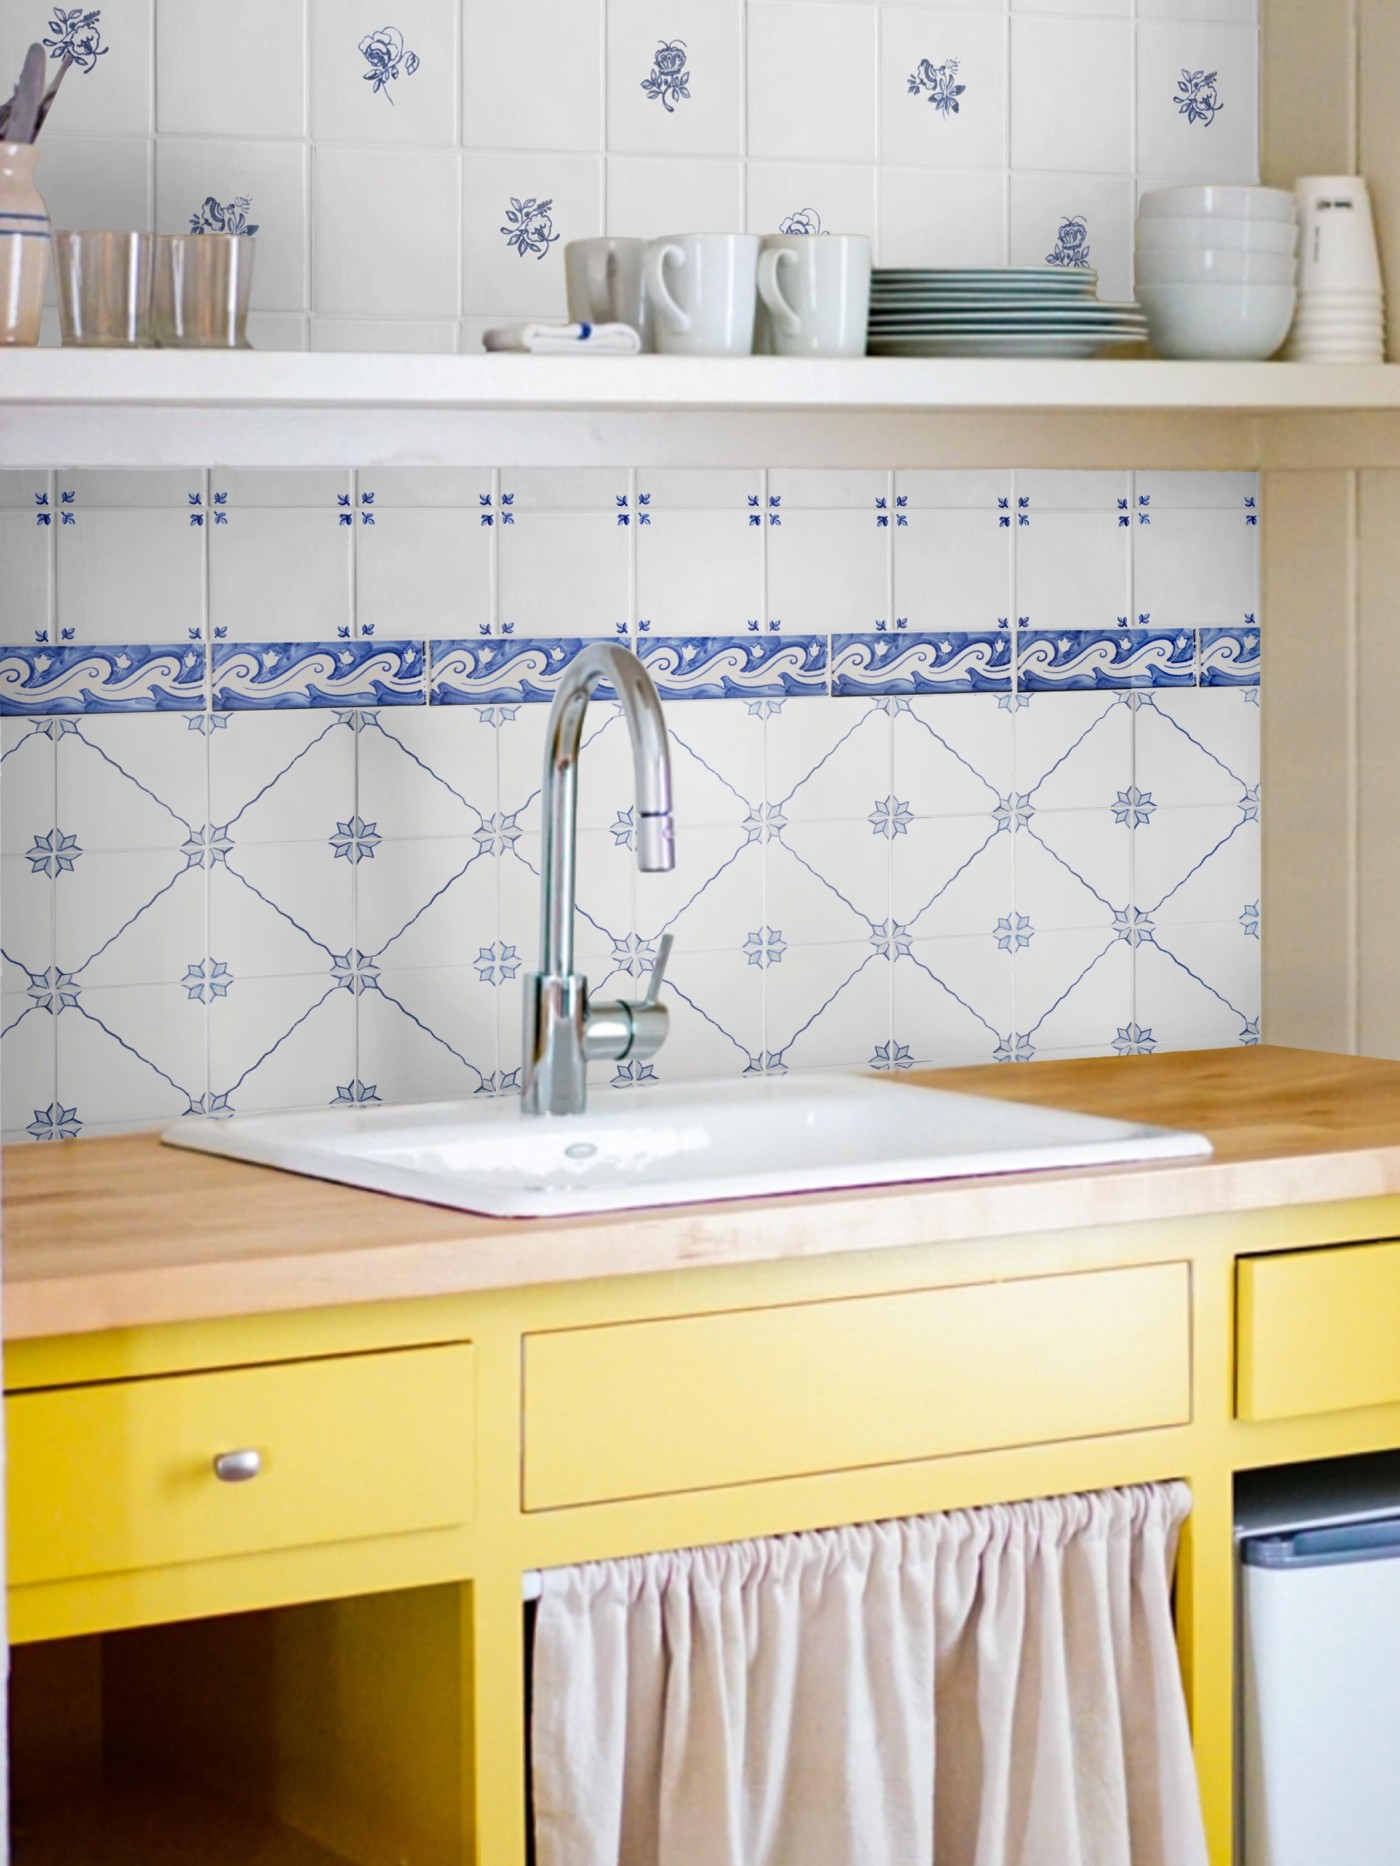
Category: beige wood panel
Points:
column 1309, row 88
column 1378, row 138
column 1378, row 765
column 1309, row 737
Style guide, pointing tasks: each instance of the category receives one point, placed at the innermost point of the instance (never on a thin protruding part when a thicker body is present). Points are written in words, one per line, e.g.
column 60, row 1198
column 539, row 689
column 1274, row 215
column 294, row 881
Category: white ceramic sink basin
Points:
column 679, row 1145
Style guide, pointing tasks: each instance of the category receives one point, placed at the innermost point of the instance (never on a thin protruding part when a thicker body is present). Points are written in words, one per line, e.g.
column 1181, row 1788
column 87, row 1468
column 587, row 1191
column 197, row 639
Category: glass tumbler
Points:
column 104, row 289
column 202, row 285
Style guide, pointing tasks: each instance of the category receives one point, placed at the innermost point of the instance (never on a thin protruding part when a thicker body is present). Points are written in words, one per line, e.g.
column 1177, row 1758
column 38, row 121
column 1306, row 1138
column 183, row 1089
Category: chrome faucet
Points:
column 564, row 1029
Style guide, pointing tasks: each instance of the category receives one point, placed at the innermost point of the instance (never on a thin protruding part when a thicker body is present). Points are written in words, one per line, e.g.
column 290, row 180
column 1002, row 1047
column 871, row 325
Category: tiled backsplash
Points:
column 967, row 767
column 413, row 181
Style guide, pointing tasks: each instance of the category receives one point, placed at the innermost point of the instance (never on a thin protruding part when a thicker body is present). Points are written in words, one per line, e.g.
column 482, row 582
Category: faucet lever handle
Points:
column 658, row 970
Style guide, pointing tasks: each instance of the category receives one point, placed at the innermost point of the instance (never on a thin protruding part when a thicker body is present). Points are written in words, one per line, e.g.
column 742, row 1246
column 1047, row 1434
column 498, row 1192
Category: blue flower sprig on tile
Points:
column 76, row 35
column 805, row 220
column 1071, row 246
column 387, row 59
column 529, row 227
column 939, row 83
column 1197, row 98
column 215, row 216
column 668, row 78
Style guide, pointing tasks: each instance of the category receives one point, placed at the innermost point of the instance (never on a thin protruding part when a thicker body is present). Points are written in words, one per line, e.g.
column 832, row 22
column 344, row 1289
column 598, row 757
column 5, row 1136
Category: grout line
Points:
column 353, row 580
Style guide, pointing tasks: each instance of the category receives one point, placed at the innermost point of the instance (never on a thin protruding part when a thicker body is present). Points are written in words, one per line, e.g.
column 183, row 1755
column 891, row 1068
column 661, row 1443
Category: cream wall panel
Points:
column 1308, row 79
column 1378, row 764
column 1378, row 138
column 1309, row 905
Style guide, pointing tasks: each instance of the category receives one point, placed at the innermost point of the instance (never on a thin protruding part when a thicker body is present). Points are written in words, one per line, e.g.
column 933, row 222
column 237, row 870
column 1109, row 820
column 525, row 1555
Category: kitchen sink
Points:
column 679, row 1145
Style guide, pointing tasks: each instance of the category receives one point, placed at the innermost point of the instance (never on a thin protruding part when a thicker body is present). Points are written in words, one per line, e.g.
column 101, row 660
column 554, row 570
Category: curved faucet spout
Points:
column 558, row 1040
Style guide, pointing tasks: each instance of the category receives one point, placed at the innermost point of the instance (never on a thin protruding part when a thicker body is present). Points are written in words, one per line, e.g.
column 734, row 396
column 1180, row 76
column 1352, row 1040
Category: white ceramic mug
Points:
column 703, row 293
column 816, row 292
column 1338, row 250
column 603, row 279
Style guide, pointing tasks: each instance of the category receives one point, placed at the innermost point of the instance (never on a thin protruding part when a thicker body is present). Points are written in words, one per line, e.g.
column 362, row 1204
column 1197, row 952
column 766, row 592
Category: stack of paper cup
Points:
column 1341, row 303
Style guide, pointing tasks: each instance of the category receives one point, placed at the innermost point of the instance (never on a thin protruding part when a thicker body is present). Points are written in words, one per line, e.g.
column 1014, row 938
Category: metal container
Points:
column 202, row 285
column 104, row 289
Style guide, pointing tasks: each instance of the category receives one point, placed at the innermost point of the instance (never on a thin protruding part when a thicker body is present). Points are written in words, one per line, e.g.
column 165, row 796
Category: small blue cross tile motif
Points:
column 669, row 79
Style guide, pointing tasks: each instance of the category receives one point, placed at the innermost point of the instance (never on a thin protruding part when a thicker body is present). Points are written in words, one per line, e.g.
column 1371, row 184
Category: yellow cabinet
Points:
column 1317, row 1331
column 686, row 1403
column 119, row 1476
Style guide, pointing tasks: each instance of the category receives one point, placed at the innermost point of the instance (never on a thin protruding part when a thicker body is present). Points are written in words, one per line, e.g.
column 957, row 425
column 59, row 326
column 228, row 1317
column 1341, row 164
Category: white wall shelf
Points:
column 148, row 408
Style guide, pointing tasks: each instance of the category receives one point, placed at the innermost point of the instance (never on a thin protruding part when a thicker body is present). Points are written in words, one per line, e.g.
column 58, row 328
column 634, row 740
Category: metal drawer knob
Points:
column 237, row 1467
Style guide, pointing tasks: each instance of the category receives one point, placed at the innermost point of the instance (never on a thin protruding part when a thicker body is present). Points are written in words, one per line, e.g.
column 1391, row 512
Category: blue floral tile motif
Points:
column 207, row 979
column 355, row 841
column 1197, row 98
column 1133, row 1040
column 733, row 667
column 1015, row 1048
column 891, row 1055
column 112, row 678
column 1133, row 808
column 215, row 216
column 1071, row 246
column 259, row 677
column 529, row 229
column 1086, row 658
column 939, row 84
column 55, row 1123
column 668, row 79
column 355, row 1094
column 805, row 220
column 354, row 971
column 77, row 35
column 765, row 947
column 891, row 817
column 888, row 664
column 54, row 853
column 1012, row 932
column 1229, row 657
column 497, row 673
column 387, row 59
column 53, row 990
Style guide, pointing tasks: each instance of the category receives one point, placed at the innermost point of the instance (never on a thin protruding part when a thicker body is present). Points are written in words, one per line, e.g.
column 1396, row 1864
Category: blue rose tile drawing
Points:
column 215, row 216
column 529, row 227
column 805, row 220
column 1071, row 246
column 1197, row 98
column 939, row 83
column 668, row 79
column 76, row 35
column 384, row 51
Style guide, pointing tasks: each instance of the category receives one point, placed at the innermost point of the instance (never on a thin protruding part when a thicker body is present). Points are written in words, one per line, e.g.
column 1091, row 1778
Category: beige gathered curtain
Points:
column 992, row 1687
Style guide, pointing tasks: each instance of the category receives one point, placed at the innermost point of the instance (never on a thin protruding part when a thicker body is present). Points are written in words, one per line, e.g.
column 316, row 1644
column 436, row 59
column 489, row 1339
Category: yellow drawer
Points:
column 1317, row 1331
column 688, row 1403
column 114, row 1477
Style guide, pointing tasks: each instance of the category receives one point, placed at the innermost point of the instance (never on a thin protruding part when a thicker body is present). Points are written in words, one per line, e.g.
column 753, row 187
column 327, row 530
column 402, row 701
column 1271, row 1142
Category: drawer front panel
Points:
column 690, row 1403
column 1317, row 1331
column 104, row 1479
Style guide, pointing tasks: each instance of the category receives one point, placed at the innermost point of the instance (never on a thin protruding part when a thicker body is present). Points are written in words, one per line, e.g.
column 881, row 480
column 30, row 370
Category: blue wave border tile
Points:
column 959, row 662
column 736, row 667
column 105, row 677
column 265, row 676
column 1071, row 660
column 1230, row 657
column 500, row 673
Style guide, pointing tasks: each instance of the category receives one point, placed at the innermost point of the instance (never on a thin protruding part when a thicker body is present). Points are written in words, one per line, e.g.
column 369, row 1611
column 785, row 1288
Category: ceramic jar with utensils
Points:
column 1341, row 300
column 814, row 294
column 1216, row 270
column 24, row 245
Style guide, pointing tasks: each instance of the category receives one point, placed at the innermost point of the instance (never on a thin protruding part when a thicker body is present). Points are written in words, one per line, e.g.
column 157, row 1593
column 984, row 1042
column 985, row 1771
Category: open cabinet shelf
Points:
column 159, row 1822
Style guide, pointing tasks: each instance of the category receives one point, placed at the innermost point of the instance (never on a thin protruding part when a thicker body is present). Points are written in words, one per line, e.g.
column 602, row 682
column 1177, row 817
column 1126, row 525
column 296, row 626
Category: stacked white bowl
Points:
column 1341, row 304
column 1217, row 270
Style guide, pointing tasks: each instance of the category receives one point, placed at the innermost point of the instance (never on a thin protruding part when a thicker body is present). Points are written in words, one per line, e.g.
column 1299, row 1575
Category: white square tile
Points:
column 1096, row 593
column 943, row 88
column 677, row 91
column 943, row 489
column 282, row 1043
column 447, row 912
column 104, row 487
column 504, row 105
column 132, row 781
column 372, row 83
column 263, row 182
column 811, row 81
column 421, row 336
column 1240, row 12
column 427, row 1034
column 136, row 1058
column 952, row 570
column 716, row 1006
column 131, row 576
column 1052, row 60
column 718, row 765
column 827, row 881
column 792, row 197
column 320, row 488
column 710, row 901
column 1058, row 491
column 953, row 754
column 952, row 1002
column 1094, row 850
column 97, row 183
column 1197, row 864
column 564, row 573
column 427, row 770
column 281, row 776
column 139, row 919
column 214, row 76
column 28, row 784
column 1109, row 9
column 108, row 90
column 828, row 760
column 828, row 572
column 1062, row 220
column 29, row 914
column 1196, row 569
column 938, row 219
column 1198, row 102
column 724, row 549
column 649, row 198
column 827, row 1007
column 27, row 1064
column 423, row 573
column 1198, row 987
column 519, row 213
column 952, row 876
column 281, row 330
column 1073, row 750
column 1232, row 490
column 253, row 935
column 26, row 551
column 280, row 576
column 386, row 233
column 1074, row 990
column 1203, row 740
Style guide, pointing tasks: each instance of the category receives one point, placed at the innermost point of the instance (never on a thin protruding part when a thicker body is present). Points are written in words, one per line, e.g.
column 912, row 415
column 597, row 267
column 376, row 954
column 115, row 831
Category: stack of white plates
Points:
column 996, row 311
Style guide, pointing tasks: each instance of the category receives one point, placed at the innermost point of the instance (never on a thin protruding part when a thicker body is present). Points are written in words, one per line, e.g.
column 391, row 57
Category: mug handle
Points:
column 771, row 292
column 667, row 308
column 599, row 276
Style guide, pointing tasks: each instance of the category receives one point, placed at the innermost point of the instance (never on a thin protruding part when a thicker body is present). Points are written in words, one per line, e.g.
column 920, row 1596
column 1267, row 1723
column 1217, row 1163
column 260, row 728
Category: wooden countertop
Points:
column 122, row 1232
